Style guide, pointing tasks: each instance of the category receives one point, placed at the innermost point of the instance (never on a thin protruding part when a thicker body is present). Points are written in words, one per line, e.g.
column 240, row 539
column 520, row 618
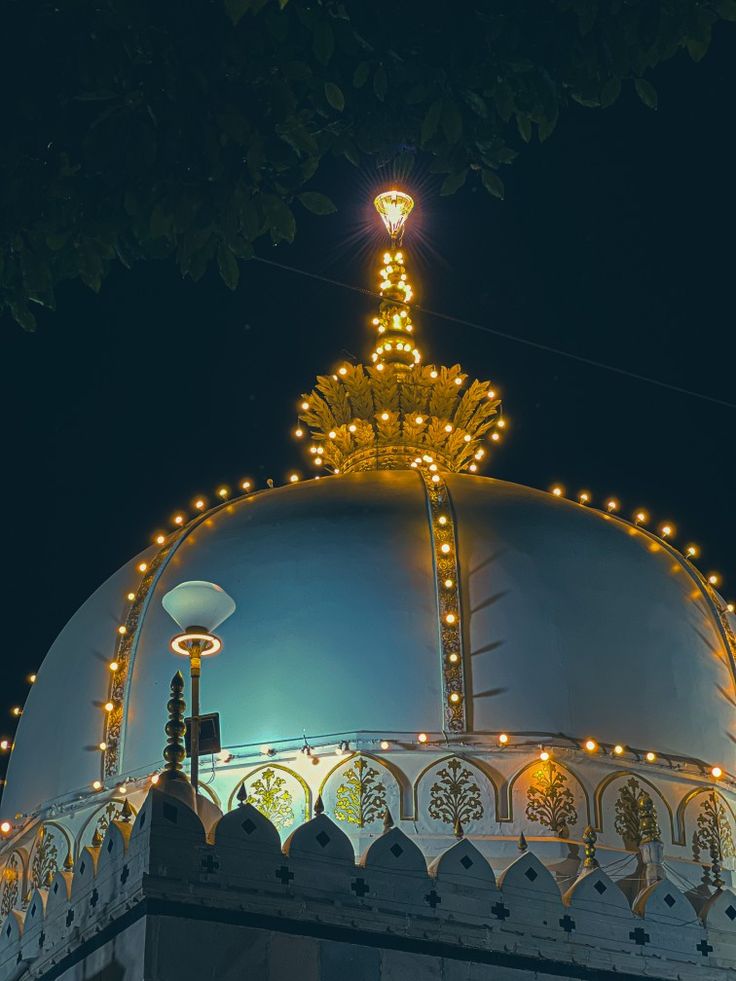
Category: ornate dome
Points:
column 570, row 621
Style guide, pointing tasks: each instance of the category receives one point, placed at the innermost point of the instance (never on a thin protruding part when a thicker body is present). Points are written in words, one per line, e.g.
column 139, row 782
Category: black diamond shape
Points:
column 600, row 887
column 396, row 850
column 82, row 868
column 56, row 888
column 33, row 910
column 110, row 846
column 531, row 874
column 248, row 826
column 466, row 861
column 731, row 913
column 670, row 900
column 143, row 820
column 323, row 839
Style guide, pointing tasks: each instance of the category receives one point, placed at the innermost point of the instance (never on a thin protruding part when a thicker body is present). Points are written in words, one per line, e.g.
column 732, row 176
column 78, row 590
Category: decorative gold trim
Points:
column 507, row 790
column 449, row 602
column 607, row 780
column 267, row 765
column 37, row 876
column 402, row 781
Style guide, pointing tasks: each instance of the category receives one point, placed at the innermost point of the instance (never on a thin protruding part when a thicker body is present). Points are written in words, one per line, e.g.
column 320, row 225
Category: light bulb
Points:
column 160, row 539
column 467, row 437
column 199, row 504
column 618, row 749
column 419, row 420
column 544, row 756
column 442, row 519
column 385, row 744
column 4, row 745
column 448, row 428
column 454, row 697
column 501, row 423
column 17, row 711
column 591, row 745
column 305, row 406
column 103, row 746
column 584, row 497
column 122, row 630
column 458, row 380
column 449, row 583
column 730, row 607
column 716, row 771
column 342, row 371
column 557, row 490
column 142, row 566
column 450, row 618
column 453, row 658
column 299, row 433
column 222, row 492
column 422, row 737
column 612, row 505
column 666, row 530
column 294, row 477
column 123, row 788
column 179, row 519
column 435, row 478
column 114, row 665
column 473, row 467
column 131, row 597
column 332, row 434
column 641, row 517
column 692, row 551
column 650, row 757
column 96, row 785
column 434, row 374
column 155, row 779
column 714, row 579
column 503, row 738
column 245, row 485
column 384, row 416
column 444, row 548
column 31, row 679
column 109, row 706
column 6, row 827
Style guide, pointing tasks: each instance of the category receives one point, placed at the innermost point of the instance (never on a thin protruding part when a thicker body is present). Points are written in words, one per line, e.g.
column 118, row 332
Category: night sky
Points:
column 615, row 242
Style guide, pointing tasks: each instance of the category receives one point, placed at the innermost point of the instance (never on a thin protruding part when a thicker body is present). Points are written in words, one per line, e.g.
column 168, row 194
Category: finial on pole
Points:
column 394, row 207
column 126, row 812
column 521, row 844
column 388, row 821
column 97, row 838
column 458, row 830
column 589, row 840
column 69, row 861
column 319, row 807
column 242, row 795
column 175, row 729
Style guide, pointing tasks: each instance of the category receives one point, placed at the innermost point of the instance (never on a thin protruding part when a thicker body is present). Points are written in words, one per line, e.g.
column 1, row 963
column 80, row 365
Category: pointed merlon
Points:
column 242, row 795
column 388, row 821
column 97, row 838
column 126, row 812
column 319, row 807
column 522, row 845
column 458, row 829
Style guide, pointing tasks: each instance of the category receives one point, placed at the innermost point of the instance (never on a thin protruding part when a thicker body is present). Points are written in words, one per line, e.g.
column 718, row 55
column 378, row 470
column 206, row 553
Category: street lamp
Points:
column 197, row 607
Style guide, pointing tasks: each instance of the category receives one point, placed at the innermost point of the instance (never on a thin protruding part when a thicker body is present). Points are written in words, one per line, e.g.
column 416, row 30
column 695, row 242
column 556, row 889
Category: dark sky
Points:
column 616, row 242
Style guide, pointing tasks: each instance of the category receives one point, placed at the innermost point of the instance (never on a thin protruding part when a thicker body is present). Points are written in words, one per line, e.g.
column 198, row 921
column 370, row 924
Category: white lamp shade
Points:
column 198, row 604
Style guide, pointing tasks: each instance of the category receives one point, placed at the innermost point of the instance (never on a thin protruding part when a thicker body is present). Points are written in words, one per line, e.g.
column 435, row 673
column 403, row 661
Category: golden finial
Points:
column 126, row 812
column 174, row 752
column 648, row 824
column 97, row 838
column 68, row 861
column 388, row 821
column 395, row 342
column 319, row 807
column 589, row 840
column 458, row 829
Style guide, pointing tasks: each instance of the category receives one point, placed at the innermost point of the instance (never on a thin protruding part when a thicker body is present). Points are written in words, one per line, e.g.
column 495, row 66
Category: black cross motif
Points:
column 567, row 923
column 284, row 875
column 124, row 875
column 94, row 898
column 70, row 917
column 210, row 864
column 359, row 887
column 500, row 911
column 639, row 936
column 433, row 898
column 704, row 947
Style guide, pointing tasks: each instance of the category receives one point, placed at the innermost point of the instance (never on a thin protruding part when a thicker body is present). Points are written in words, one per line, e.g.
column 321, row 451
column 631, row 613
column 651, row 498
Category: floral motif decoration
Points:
column 11, row 880
column 714, row 834
column 550, row 801
column 447, row 591
column 45, row 859
column 112, row 811
column 269, row 794
column 455, row 798
column 636, row 817
column 361, row 797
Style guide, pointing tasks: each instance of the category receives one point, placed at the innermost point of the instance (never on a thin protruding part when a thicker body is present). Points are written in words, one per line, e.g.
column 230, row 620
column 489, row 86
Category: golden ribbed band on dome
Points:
column 447, row 590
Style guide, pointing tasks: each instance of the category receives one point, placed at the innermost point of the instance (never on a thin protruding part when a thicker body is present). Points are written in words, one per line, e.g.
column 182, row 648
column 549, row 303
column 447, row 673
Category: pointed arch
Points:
column 682, row 808
column 40, row 834
column 508, row 788
column 493, row 777
column 609, row 779
column 398, row 775
column 284, row 769
column 95, row 816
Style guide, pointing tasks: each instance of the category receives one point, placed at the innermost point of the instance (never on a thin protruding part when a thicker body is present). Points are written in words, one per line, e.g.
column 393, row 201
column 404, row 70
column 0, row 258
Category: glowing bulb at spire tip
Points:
column 394, row 207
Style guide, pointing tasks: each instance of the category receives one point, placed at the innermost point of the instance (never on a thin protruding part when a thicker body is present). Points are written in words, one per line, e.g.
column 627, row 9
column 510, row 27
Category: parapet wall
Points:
column 237, row 873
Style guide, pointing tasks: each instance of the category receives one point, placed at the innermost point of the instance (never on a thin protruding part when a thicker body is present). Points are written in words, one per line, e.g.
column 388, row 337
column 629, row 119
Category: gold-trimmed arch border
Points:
column 78, row 846
column 284, row 769
column 608, row 780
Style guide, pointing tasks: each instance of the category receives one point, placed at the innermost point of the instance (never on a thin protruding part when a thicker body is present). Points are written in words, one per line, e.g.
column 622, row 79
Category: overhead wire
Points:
column 505, row 335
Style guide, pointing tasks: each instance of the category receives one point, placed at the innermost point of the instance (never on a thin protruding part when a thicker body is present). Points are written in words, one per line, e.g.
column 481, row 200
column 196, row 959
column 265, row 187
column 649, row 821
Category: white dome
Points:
column 573, row 622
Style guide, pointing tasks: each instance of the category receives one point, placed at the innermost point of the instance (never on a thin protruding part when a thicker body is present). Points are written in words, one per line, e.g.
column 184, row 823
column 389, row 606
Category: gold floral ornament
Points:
column 269, row 795
column 361, row 797
column 631, row 807
column 455, row 799
column 11, row 878
column 550, row 800
column 714, row 834
column 45, row 861
column 398, row 413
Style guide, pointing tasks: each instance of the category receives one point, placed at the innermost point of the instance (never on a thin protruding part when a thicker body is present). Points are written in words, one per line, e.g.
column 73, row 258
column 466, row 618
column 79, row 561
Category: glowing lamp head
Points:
column 96, row 785
column 618, row 749
column 198, row 604
column 394, row 207
column 714, row 579
column 650, row 757
column 544, row 756
column 591, row 745
column 4, row 745
column 6, row 827
column 716, row 771
column 422, row 737
column 503, row 739
column 557, row 490
column 385, row 744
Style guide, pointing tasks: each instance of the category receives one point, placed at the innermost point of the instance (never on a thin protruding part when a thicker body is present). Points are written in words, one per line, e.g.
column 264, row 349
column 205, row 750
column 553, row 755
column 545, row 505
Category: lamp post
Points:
column 198, row 608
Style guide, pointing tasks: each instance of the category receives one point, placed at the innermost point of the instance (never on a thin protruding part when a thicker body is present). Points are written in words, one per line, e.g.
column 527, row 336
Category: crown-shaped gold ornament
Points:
column 397, row 413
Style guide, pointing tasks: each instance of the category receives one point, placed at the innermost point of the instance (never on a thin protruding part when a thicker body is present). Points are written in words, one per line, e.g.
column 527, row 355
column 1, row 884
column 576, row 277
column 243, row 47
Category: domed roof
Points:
column 571, row 621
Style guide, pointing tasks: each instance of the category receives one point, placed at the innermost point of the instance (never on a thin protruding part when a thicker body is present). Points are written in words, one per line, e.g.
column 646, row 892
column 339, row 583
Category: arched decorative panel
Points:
column 358, row 791
column 278, row 793
column 455, row 791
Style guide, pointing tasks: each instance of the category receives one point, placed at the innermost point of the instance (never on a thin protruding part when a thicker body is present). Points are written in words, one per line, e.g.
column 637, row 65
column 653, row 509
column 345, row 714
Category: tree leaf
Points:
column 228, row 266
column 236, row 8
column 493, row 183
column 547, row 128
column 477, row 103
column 380, row 83
column 726, row 9
column 280, row 218
column 318, row 204
column 646, row 92
column 333, row 94
column 323, row 42
column 610, row 92
column 452, row 121
column 23, row 316
column 430, row 122
column 361, row 74
column 524, row 125
column 454, row 181
column 697, row 48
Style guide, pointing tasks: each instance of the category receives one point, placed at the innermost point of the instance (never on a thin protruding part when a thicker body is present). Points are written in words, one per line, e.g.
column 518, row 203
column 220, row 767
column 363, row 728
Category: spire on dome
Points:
column 397, row 413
